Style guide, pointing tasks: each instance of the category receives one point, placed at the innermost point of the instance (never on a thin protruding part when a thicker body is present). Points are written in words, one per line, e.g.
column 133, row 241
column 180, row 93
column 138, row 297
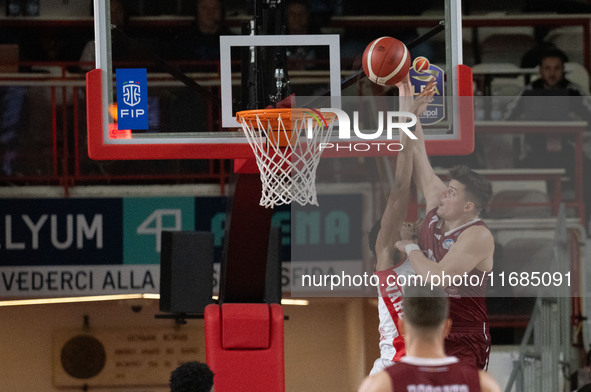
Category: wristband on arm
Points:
column 410, row 247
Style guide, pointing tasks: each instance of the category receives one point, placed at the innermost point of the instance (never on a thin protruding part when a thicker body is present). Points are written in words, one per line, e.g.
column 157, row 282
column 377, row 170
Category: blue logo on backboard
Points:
column 131, row 93
column 420, row 73
column 132, row 98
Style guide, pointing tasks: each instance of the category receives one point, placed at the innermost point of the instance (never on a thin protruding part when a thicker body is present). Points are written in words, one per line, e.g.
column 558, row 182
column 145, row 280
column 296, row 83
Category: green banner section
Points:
column 144, row 220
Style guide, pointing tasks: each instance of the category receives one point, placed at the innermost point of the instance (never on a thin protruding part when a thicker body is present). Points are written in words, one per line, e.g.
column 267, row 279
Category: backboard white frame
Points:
column 232, row 143
column 227, row 42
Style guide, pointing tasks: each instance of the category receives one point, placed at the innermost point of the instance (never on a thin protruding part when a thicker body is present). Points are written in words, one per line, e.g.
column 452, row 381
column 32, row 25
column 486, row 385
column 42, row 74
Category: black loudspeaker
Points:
column 186, row 271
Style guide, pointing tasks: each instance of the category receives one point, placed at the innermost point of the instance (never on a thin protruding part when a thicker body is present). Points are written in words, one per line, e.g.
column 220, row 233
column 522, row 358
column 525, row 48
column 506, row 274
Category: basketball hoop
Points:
column 287, row 144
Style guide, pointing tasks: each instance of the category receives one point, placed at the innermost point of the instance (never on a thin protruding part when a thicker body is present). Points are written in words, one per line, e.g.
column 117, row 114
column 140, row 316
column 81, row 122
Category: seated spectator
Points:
column 123, row 48
column 551, row 83
column 12, row 112
column 201, row 41
column 552, row 97
column 552, row 76
column 197, row 49
column 533, row 57
column 297, row 21
column 354, row 41
column 12, row 122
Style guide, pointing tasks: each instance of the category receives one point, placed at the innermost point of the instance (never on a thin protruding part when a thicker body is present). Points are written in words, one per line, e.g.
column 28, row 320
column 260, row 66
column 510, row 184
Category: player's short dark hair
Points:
column 425, row 308
column 553, row 52
column 372, row 239
column 478, row 189
column 191, row 377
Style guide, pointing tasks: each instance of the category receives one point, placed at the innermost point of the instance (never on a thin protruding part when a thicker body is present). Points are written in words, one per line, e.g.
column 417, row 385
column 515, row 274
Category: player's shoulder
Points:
column 477, row 233
column 487, row 382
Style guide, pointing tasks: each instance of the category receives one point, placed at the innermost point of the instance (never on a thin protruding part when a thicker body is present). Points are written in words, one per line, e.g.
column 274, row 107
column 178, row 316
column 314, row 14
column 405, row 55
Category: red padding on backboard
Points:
column 112, row 150
column 464, row 145
column 99, row 150
column 247, row 370
column 245, row 326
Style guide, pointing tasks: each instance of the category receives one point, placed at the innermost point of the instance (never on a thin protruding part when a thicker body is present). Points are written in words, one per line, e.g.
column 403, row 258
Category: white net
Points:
column 287, row 144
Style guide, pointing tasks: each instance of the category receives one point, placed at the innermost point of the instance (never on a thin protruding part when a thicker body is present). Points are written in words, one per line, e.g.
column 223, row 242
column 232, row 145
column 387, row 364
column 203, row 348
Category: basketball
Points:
column 386, row 61
column 420, row 64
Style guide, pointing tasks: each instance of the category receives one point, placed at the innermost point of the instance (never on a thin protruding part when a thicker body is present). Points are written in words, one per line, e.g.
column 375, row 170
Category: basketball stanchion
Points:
column 287, row 144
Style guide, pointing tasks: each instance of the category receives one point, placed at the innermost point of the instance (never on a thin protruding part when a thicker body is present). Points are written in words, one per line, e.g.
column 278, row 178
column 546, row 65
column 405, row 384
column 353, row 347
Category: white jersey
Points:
column 390, row 312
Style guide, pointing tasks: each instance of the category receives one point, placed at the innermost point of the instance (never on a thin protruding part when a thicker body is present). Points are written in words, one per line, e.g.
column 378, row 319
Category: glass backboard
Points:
column 191, row 105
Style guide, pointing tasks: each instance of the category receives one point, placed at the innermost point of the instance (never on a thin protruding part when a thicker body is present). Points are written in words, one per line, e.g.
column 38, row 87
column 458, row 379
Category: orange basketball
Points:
column 386, row 61
column 420, row 64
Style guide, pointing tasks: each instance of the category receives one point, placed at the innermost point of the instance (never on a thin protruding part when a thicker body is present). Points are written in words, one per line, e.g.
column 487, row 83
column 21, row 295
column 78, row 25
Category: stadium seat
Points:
column 244, row 346
column 526, row 255
column 510, row 204
column 569, row 39
column 577, row 74
column 505, row 48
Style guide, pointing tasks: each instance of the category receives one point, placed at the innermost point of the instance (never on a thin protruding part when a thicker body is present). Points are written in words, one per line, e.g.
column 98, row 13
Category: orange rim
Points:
column 271, row 116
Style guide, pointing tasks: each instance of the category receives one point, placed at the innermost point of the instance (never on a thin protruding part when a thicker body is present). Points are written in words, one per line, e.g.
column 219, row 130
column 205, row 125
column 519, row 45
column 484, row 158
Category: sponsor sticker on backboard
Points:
column 421, row 72
column 132, row 98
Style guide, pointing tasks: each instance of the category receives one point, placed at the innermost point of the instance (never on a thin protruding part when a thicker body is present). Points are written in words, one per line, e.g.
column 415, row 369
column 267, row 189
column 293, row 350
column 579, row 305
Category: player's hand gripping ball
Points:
column 386, row 61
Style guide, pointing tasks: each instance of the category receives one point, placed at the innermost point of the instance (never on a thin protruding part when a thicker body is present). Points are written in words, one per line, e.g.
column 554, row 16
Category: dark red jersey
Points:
column 467, row 302
column 413, row 374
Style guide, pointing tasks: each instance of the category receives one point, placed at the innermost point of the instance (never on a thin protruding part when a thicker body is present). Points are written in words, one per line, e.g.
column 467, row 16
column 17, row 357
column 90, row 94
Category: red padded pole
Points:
column 244, row 347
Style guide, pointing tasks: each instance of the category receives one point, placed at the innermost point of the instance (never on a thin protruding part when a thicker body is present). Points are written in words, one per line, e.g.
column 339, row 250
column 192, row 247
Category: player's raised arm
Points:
column 425, row 178
column 396, row 207
column 379, row 382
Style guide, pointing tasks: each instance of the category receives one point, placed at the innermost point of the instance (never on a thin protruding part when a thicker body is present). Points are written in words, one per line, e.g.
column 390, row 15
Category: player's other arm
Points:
column 397, row 204
column 379, row 382
column 473, row 249
column 487, row 383
column 424, row 177
column 396, row 207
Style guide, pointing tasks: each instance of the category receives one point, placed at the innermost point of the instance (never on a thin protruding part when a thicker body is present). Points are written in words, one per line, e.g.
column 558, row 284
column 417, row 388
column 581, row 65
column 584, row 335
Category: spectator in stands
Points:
column 198, row 50
column 532, row 57
column 552, row 82
column 191, row 377
column 552, row 97
column 123, row 47
column 321, row 11
column 354, row 41
column 297, row 21
column 12, row 122
column 200, row 42
column 12, row 111
column 297, row 17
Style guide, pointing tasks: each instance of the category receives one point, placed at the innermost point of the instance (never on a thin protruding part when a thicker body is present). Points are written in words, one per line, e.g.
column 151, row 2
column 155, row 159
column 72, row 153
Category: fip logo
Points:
column 131, row 93
column 132, row 97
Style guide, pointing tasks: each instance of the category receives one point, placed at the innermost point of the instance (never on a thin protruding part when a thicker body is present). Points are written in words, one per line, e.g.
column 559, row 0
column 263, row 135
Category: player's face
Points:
column 551, row 71
column 452, row 201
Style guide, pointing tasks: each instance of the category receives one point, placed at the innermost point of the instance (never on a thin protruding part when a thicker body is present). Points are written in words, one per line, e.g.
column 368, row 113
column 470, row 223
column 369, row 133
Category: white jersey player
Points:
column 391, row 264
